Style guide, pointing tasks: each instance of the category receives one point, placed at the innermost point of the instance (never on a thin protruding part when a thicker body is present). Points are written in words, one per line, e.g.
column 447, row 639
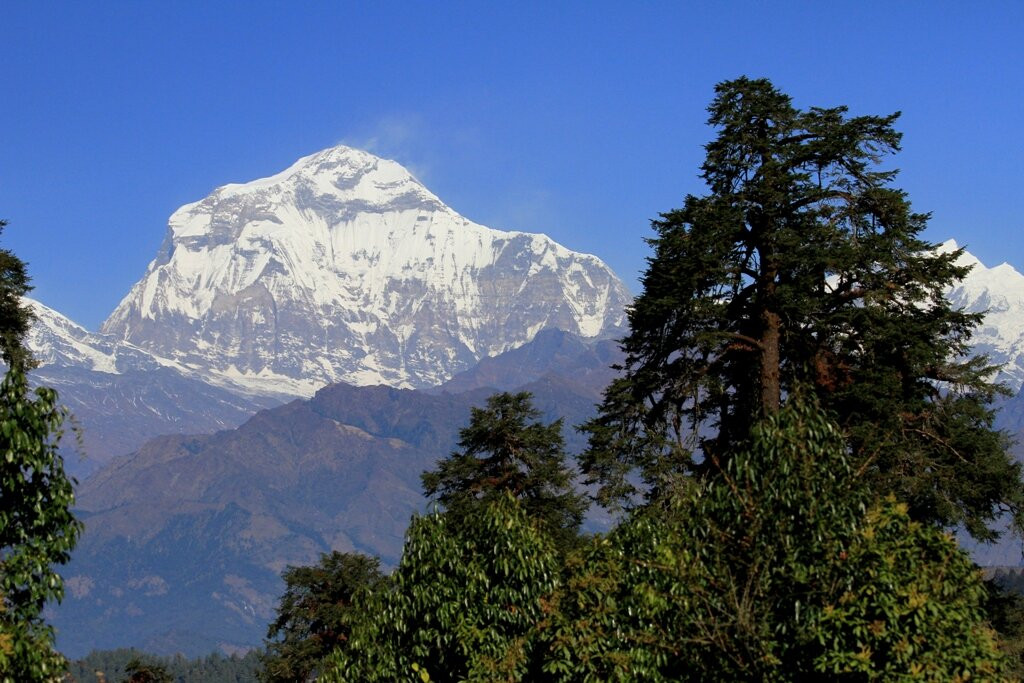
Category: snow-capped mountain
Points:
column 1000, row 292
column 56, row 340
column 122, row 396
column 344, row 267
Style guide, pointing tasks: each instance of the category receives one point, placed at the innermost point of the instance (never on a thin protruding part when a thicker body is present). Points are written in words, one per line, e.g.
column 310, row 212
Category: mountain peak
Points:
column 351, row 156
column 344, row 267
column 326, row 178
column 997, row 292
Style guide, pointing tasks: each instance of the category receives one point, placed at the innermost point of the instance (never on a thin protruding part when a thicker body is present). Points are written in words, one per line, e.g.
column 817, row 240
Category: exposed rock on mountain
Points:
column 118, row 413
column 341, row 268
column 57, row 341
column 587, row 365
column 345, row 268
column 122, row 396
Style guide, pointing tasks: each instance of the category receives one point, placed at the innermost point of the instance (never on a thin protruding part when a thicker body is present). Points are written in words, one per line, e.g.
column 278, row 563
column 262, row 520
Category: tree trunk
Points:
column 771, row 390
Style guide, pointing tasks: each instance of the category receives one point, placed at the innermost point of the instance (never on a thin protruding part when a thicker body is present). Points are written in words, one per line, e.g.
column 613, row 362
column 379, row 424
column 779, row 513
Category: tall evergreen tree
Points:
column 315, row 615
column 506, row 450
column 15, row 316
column 803, row 264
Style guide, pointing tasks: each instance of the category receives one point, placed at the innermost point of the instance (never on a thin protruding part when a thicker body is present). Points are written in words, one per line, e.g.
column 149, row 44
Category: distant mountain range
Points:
column 123, row 396
column 999, row 293
column 341, row 268
column 302, row 347
column 185, row 540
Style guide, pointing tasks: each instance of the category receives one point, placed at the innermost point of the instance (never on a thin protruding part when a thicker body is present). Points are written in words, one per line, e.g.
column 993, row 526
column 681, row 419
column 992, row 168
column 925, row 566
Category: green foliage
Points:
column 112, row 666
column 315, row 614
column 776, row 544
column 15, row 316
column 463, row 604
column 802, row 265
column 911, row 606
column 778, row 567
column 505, row 450
column 773, row 570
column 1005, row 609
column 37, row 528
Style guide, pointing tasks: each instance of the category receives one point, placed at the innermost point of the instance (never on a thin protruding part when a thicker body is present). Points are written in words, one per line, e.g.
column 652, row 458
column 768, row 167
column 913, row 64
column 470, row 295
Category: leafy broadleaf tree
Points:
column 803, row 264
column 779, row 567
column 464, row 603
column 37, row 527
column 505, row 450
column 316, row 612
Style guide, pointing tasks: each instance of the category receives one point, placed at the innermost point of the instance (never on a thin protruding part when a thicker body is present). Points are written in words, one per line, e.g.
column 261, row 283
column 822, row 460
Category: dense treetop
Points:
column 213, row 668
column 506, row 450
column 803, row 265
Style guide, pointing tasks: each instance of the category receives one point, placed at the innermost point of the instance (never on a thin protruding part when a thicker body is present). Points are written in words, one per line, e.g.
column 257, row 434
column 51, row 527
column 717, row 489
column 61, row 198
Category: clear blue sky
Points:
column 582, row 120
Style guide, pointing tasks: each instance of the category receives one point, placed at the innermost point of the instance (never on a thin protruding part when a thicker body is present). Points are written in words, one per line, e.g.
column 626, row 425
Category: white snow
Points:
column 344, row 267
column 55, row 339
column 345, row 272
column 999, row 292
column 351, row 242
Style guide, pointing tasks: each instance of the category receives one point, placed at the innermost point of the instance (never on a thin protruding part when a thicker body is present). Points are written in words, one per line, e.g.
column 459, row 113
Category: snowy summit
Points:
column 344, row 267
column 999, row 293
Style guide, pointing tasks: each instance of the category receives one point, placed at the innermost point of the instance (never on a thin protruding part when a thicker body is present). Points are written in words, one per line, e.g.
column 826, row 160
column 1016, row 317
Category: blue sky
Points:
column 582, row 120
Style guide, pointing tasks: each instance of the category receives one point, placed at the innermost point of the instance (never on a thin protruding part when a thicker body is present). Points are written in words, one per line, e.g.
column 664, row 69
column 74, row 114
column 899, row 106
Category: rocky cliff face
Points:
column 345, row 268
column 57, row 341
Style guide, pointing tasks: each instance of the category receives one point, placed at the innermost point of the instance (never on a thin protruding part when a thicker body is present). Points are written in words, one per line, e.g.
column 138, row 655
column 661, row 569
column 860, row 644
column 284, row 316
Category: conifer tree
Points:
column 803, row 264
column 15, row 316
column 316, row 613
column 506, row 450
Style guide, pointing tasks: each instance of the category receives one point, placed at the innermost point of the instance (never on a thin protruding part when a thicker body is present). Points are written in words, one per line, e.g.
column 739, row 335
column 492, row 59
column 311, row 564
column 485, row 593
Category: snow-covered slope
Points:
column 344, row 267
column 56, row 340
column 1000, row 292
column 122, row 396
